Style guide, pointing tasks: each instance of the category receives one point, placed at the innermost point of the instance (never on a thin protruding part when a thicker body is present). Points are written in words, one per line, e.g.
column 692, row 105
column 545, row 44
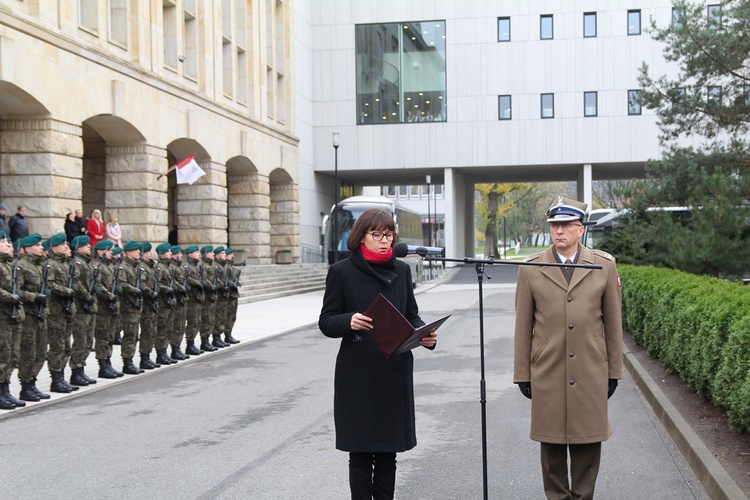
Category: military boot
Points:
column 178, row 354
column 77, row 378
column 129, row 368
column 10, row 397
column 218, row 342
column 112, row 368
column 65, row 382
column 147, row 364
column 39, row 393
column 88, row 379
column 191, row 349
column 163, row 358
column 206, row 345
column 229, row 339
column 58, row 383
column 5, row 404
column 27, row 393
column 104, row 371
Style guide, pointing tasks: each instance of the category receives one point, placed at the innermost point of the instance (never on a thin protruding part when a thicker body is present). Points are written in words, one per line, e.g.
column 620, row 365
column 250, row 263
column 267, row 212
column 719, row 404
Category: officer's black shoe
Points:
column 69, row 386
column 129, row 368
column 178, row 354
column 163, row 358
column 206, row 345
column 27, row 393
column 229, row 339
column 5, row 404
column 58, row 383
column 118, row 339
column 10, row 397
column 39, row 393
column 191, row 349
column 104, row 371
column 218, row 342
column 112, row 368
column 77, row 378
column 147, row 364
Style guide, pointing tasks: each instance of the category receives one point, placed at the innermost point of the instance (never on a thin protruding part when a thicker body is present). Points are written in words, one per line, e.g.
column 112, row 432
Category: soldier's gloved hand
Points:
column 143, row 287
column 91, row 301
column 138, row 292
column 15, row 298
column 152, row 295
column 525, row 388
column 40, row 298
column 69, row 292
column 611, row 388
column 170, row 292
column 113, row 298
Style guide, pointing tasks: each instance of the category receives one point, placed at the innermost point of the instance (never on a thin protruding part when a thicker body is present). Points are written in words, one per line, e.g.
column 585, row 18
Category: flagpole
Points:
column 167, row 172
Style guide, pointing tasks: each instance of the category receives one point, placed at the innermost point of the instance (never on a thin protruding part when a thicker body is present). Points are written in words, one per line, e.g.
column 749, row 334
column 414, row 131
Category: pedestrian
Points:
column 83, row 324
column 172, row 236
column 568, row 352
column 373, row 401
column 95, row 227
column 71, row 228
column 113, row 231
column 80, row 224
column 3, row 220
column 11, row 316
column 18, row 224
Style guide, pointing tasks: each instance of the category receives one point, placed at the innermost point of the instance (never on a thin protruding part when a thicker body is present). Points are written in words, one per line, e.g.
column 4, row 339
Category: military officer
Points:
column 568, row 352
column 11, row 316
column 130, row 285
column 181, row 290
column 167, row 302
column 208, row 310
column 234, row 295
column 117, row 258
column 195, row 300
column 108, row 311
column 149, row 287
column 222, row 294
column 83, row 322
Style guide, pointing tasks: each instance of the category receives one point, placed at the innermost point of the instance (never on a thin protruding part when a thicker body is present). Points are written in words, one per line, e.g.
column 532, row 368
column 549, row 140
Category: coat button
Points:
column 356, row 338
column 571, row 354
column 570, row 327
column 570, row 299
column 571, row 382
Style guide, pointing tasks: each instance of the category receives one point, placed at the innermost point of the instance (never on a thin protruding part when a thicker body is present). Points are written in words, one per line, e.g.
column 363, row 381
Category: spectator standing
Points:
column 71, row 227
column 3, row 220
column 18, row 225
column 95, row 227
column 113, row 231
column 80, row 223
column 172, row 237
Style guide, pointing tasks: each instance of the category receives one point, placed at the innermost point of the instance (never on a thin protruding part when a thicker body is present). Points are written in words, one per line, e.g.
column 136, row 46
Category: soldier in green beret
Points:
column 222, row 296
column 208, row 311
column 108, row 310
column 196, row 297
column 11, row 317
column 149, row 287
column 167, row 302
column 131, row 278
column 83, row 323
column 62, row 308
column 32, row 264
column 177, row 331
column 117, row 257
column 230, row 318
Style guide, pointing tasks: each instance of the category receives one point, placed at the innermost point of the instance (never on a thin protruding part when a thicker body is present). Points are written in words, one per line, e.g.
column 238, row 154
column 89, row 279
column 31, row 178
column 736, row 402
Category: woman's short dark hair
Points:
column 370, row 220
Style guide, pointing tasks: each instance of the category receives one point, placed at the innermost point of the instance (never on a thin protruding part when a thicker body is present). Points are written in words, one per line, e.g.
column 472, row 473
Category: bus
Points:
column 601, row 223
column 408, row 223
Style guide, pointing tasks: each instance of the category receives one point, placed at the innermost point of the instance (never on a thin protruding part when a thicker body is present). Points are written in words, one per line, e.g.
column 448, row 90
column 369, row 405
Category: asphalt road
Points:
column 256, row 422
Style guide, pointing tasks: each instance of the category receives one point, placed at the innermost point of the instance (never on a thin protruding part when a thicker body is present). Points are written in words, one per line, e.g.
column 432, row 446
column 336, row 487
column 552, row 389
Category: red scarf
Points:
column 371, row 256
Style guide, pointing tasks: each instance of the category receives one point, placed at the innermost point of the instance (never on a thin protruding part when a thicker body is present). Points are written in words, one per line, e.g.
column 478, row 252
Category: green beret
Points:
column 228, row 251
column 131, row 245
column 45, row 244
column 116, row 251
column 191, row 249
column 206, row 249
column 56, row 239
column 79, row 241
column 163, row 248
column 176, row 249
column 103, row 245
column 145, row 246
column 218, row 249
column 31, row 240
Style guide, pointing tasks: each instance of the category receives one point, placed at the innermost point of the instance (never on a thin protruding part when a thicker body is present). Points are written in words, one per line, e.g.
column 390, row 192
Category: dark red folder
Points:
column 391, row 331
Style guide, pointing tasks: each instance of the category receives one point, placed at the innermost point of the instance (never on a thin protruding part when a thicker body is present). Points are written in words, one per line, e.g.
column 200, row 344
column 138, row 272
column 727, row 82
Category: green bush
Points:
column 699, row 327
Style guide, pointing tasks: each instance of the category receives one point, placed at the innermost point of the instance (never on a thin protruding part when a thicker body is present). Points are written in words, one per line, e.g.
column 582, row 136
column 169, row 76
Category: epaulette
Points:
column 532, row 257
column 603, row 254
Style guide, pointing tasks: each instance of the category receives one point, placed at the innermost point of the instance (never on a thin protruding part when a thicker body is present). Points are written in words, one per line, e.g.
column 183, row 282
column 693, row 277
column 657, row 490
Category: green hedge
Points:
column 699, row 327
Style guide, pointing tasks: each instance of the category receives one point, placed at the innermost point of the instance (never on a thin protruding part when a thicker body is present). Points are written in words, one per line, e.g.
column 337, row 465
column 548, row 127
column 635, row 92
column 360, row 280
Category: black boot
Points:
column 10, row 397
column 27, row 393
column 39, row 393
column 191, row 349
column 147, row 364
column 90, row 380
column 5, row 404
column 65, row 382
column 229, row 339
column 118, row 339
column 218, row 342
column 129, row 368
column 112, row 368
column 178, row 354
column 163, row 358
column 206, row 345
column 104, row 371
column 77, row 378
column 58, row 383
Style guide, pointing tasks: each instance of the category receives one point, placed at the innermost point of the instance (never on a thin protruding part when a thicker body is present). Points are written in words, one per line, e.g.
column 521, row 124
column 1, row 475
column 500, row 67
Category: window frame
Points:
column 499, row 19
column 637, row 93
column 596, row 104
column 541, row 103
column 711, row 17
column 500, row 107
column 712, row 98
column 542, row 18
column 640, row 28
column 585, row 15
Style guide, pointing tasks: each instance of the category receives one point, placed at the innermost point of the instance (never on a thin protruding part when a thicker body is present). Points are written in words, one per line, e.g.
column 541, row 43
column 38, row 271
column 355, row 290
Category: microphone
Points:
column 402, row 250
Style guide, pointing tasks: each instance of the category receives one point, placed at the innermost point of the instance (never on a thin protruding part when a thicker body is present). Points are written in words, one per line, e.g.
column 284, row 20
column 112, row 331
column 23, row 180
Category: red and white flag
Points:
column 188, row 170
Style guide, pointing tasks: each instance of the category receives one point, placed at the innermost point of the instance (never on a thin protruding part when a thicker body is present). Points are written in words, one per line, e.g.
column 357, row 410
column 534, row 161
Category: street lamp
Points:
column 336, row 143
column 429, row 219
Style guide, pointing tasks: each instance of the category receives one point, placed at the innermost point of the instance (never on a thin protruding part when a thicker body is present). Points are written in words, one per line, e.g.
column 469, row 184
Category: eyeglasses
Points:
column 378, row 235
column 563, row 225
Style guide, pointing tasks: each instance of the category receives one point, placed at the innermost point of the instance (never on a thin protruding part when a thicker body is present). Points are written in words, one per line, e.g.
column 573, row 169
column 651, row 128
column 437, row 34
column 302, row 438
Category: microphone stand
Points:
column 479, row 266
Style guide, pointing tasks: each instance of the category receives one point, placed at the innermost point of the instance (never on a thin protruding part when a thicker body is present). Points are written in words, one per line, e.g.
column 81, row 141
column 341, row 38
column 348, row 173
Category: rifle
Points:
column 71, row 277
column 171, row 286
column 155, row 303
column 216, row 276
column 86, row 305
column 225, row 291
column 199, row 290
column 183, row 294
column 14, row 288
column 111, row 305
column 43, row 287
column 239, row 273
column 138, row 298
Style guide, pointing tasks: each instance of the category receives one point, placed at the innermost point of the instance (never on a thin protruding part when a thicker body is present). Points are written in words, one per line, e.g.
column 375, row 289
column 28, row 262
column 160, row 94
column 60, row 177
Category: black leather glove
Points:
column 611, row 388
column 40, row 298
column 138, row 292
column 525, row 388
column 91, row 301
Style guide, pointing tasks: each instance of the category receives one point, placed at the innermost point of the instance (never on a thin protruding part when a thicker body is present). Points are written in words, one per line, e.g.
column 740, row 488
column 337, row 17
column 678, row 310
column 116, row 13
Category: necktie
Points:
column 568, row 271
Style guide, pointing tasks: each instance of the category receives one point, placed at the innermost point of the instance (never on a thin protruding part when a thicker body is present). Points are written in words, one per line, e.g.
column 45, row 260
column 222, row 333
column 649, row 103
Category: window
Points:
column 589, row 24
column 548, row 105
column 634, row 22
column 504, row 109
column 713, row 95
column 678, row 98
column 401, row 72
column 677, row 15
column 169, row 15
column 503, row 29
column 118, row 22
column 546, row 28
column 88, row 14
column 634, row 102
column 714, row 16
column 589, row 104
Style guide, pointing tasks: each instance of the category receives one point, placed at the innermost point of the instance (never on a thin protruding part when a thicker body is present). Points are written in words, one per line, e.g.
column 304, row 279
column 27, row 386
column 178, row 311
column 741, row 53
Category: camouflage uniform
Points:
column 165, row 315
column 130, row 311
column 11, row 316
column 34, row 337
column 232, row 302
column 84, row 322
column 148, row 314
column 177, row 332
column 208, row 311
column 106, row 316
column 62, row 308
column 195, row 299
column 222, row 295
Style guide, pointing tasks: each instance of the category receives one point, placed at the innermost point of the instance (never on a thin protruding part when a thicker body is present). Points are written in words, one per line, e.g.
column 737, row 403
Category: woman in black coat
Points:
column 373, row 396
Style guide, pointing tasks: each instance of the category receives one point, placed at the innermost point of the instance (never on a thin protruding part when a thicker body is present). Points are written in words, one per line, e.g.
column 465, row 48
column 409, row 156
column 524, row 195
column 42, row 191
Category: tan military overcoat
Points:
column 568, row 343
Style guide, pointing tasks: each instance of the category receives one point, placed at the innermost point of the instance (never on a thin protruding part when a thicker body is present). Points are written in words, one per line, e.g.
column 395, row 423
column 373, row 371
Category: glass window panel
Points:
column 589, row 24
column 401, row 75
column 714, row 95
column 634, row 102
column 503, row 29
column 714, row 16
column 546, row 28
column 504, row 109
column 634, row 22
column 548, row 105
column 589, row 104
column 676, row 18
column 402, row 191
column 678, row 98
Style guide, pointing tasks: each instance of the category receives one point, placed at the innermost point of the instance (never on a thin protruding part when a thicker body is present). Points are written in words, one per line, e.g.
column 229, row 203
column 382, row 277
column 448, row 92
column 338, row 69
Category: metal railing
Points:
column 312, row 254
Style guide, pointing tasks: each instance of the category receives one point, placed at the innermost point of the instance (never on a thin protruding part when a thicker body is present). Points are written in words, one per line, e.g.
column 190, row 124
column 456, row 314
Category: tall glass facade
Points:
column 401, row 72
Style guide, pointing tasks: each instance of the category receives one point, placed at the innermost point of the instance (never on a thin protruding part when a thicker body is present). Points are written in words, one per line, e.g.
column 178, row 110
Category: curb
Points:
column 715, row 480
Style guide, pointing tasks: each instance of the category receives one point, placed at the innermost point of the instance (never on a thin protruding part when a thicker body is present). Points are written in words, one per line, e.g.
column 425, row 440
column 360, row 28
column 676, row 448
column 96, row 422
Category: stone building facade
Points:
column 99, row 99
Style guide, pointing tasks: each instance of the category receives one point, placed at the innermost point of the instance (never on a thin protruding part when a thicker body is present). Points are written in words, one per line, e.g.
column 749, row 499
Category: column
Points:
column 249, row 208
column 285, row 219
column 202, row 207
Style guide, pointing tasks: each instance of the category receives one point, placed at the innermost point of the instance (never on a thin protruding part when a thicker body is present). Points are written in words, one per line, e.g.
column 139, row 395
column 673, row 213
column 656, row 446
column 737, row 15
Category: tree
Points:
column 491, row 207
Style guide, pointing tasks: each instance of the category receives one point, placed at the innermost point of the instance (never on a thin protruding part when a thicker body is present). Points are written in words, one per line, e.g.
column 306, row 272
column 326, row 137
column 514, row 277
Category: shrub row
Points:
column 699, row 327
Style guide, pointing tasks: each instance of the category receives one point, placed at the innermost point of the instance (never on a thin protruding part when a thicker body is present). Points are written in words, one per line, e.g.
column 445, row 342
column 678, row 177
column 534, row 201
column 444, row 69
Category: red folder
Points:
column 391, row 331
